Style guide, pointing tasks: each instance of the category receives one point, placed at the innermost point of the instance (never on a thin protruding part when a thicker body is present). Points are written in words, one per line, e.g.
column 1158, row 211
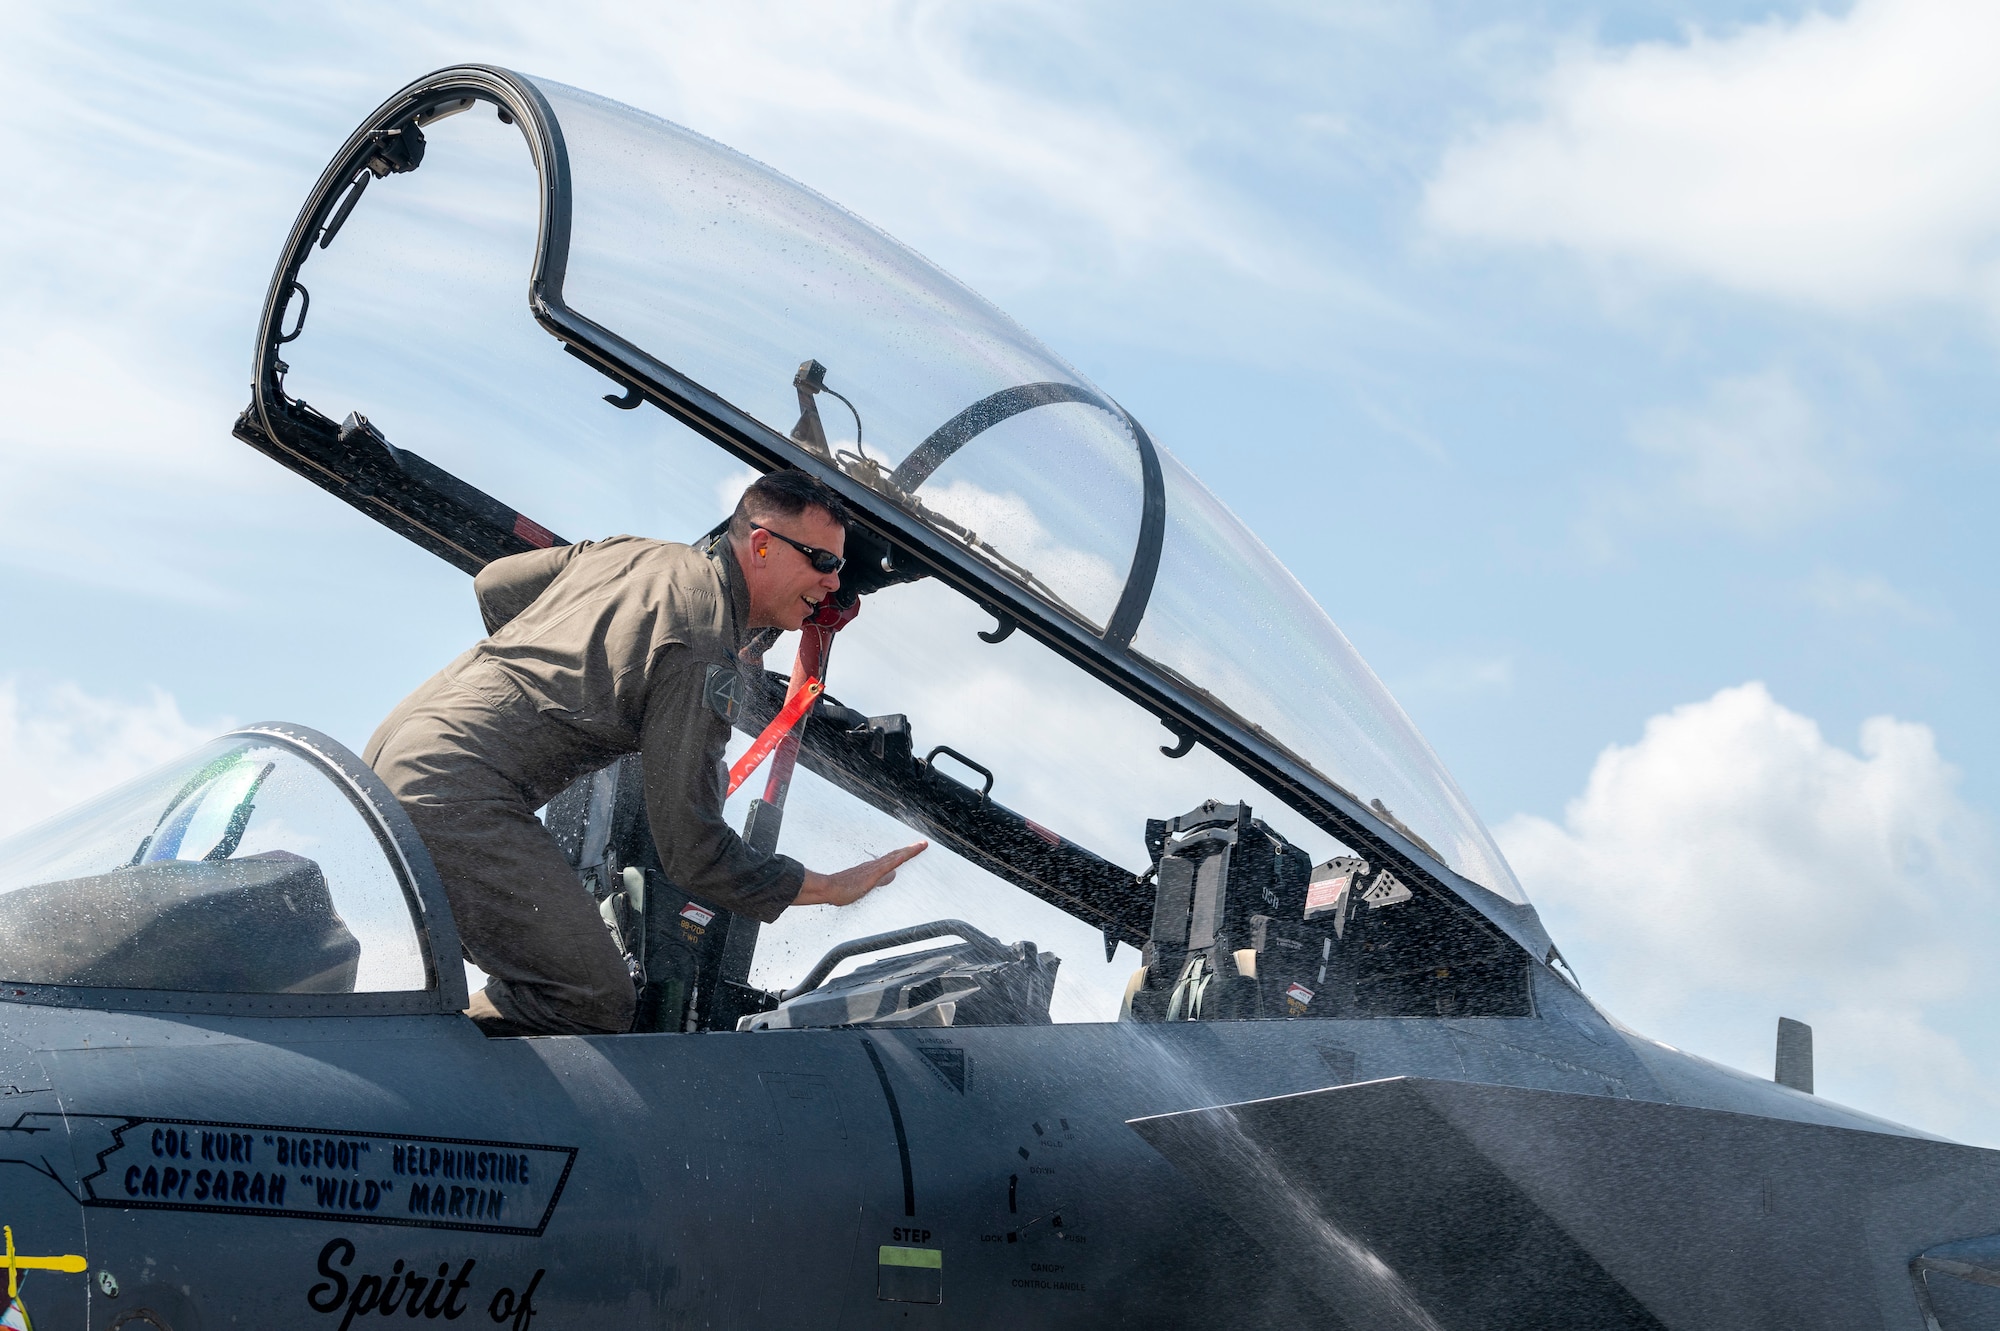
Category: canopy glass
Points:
column 739, row 278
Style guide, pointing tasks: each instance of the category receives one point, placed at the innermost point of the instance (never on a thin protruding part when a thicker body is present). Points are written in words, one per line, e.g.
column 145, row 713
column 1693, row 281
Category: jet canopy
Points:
column 792, row 333
column 732, row 274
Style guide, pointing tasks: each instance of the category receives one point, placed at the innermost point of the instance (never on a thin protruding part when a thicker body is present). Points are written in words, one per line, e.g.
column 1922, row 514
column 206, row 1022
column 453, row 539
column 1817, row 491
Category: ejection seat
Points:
column 1246, row 927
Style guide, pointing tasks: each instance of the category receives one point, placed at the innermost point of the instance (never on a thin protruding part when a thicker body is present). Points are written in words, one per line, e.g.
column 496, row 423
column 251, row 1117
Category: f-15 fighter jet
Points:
column 1309, row 1057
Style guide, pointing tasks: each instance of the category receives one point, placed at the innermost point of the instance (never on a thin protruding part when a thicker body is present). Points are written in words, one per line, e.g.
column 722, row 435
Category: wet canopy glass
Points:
column 741, row 279
column 246, row 867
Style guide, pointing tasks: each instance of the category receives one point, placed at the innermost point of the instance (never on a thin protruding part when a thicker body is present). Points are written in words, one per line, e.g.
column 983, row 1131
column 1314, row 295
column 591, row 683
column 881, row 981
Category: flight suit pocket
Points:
column 493, row 684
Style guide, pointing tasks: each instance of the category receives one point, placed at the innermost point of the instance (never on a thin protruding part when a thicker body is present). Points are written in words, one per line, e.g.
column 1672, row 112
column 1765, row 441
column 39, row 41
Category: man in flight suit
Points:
column 596, row 650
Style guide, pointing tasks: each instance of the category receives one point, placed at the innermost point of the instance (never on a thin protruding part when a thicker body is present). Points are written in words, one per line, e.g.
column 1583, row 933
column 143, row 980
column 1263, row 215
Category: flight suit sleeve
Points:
column 508, row 586
column 682, row 746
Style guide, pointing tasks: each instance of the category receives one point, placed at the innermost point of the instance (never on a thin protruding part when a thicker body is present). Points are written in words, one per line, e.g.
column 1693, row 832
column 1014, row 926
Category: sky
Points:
column 1619, row 377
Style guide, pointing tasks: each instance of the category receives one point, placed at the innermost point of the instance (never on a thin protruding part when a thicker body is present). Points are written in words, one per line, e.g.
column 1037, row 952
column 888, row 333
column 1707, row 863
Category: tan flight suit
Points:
column 594, row 650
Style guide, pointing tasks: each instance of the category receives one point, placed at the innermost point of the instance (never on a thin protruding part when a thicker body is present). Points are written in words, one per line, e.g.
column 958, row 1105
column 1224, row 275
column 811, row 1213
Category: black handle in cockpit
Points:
column 930, row 760
column 982, row 942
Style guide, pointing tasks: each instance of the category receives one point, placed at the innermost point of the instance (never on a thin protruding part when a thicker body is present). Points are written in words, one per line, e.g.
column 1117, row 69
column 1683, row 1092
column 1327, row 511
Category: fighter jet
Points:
column 1307, row 1056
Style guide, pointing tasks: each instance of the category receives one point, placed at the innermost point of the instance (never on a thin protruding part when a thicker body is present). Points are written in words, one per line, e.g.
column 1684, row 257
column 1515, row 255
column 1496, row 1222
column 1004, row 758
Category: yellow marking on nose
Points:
column 16, row 1264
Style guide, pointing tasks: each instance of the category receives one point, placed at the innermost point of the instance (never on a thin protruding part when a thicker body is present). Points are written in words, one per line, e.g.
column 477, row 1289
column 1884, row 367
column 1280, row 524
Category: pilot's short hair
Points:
column 784, row 494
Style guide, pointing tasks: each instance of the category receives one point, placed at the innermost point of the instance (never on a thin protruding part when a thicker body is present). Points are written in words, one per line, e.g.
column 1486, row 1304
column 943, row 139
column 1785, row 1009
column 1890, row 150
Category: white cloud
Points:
column 60, row 745
column 1733, row 866
column 730, row 489
column 1864, row 596
column 1842, row 162
column 1009, row 523
column 911, row 115
column 1755, row 455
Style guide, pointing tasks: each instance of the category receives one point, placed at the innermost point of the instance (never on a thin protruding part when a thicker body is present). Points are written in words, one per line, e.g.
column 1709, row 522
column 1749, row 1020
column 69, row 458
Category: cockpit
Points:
column 268, row 865
column 1136, row 742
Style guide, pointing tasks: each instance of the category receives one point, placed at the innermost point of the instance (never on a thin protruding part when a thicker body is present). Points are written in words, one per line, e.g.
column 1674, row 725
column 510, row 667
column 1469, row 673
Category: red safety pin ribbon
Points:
column 781, row 725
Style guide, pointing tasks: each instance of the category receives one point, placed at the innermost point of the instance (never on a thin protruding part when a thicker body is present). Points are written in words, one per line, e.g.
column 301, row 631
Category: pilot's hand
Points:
column 850, row 885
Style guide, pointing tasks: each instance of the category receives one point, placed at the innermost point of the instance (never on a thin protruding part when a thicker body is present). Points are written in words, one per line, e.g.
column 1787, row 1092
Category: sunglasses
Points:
column 823, row 561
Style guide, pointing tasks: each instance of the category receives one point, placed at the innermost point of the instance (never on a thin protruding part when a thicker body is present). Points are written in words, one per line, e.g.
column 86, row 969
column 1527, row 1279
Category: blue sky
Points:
column 1619, row 377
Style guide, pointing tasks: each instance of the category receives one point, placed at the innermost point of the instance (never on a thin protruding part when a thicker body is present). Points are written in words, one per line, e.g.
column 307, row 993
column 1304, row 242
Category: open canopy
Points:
column 795, row 334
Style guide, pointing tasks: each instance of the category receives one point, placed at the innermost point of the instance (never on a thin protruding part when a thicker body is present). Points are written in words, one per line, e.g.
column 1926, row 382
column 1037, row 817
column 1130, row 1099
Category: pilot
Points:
column 592, row 651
